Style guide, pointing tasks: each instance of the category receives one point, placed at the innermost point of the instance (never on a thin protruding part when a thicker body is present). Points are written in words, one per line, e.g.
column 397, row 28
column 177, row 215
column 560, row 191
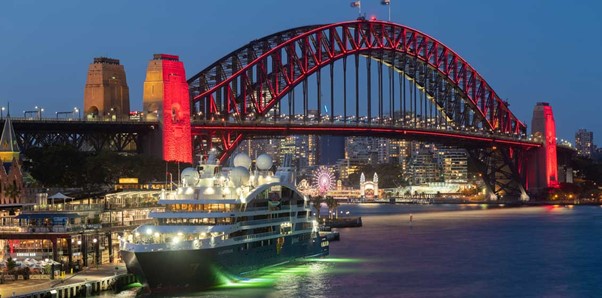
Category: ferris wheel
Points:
column 323, row 180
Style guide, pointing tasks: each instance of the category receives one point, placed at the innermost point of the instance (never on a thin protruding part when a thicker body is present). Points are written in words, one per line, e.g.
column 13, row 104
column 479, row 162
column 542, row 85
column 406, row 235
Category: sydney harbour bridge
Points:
column 356, row 78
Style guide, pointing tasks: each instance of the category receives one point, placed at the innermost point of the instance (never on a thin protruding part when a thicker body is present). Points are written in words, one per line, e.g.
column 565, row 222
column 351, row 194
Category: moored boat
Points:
column 222, row 224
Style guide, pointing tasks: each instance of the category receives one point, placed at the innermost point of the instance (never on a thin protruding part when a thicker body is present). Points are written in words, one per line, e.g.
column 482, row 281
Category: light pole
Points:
column 2, row 113
column 39, row 111
column 78, row 112
column 95, row 251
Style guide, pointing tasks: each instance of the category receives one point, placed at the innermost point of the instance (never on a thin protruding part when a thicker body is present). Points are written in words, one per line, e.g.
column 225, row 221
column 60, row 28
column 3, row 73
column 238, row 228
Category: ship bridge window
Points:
column 200, row 207
column 197, row 221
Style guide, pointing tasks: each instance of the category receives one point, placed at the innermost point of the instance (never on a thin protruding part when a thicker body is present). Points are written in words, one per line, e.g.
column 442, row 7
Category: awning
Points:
column 60, row 196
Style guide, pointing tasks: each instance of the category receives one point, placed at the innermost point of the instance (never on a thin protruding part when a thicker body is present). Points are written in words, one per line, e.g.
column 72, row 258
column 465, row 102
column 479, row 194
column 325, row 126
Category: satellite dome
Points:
column 239, row 176
column 190, row 176
column 242, row 160
column 264, row 162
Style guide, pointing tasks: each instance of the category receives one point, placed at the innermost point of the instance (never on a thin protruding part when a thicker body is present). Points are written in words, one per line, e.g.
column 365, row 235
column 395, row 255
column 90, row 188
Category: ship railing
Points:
column 147, row 246
column 263, row 221
column 186, row 244
column 255, row 236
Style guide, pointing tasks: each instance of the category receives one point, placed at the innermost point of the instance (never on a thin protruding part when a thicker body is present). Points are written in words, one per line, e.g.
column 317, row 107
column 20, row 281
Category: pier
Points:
column 82, row 284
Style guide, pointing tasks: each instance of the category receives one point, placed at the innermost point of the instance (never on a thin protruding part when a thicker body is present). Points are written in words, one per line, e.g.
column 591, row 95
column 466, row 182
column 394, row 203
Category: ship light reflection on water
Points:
column 268, row 277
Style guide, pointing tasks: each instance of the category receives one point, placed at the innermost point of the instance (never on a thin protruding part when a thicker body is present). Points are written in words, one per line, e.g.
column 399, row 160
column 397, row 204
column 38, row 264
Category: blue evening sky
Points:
column 528, row 50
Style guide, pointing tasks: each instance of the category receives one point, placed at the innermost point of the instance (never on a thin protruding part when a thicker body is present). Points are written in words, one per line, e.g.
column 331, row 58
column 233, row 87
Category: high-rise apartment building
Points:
column 367, row 150
column 424, row 166
column 584, row 142
column 454, row 164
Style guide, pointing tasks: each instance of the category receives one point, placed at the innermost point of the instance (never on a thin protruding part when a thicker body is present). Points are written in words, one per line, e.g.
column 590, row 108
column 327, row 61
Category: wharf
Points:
column 105, row 277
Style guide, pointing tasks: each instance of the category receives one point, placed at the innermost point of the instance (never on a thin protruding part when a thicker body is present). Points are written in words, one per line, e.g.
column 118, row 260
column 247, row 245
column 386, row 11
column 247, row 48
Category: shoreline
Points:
column 489, row 203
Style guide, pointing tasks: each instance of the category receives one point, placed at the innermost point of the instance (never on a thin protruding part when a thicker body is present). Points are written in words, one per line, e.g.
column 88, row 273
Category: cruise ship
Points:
column 222, row 224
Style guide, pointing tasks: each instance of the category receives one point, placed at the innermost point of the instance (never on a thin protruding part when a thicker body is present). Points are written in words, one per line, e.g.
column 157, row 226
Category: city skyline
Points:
column 48, row 46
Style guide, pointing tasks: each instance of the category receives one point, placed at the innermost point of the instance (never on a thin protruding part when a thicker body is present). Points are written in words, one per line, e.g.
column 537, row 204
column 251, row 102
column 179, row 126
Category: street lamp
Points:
column 2, row 113
column 39, row 111
column 95, row 251
column 78, row 112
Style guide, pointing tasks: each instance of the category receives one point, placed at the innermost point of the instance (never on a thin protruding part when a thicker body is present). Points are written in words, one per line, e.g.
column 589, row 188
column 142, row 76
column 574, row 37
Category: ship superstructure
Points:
column 224, row 223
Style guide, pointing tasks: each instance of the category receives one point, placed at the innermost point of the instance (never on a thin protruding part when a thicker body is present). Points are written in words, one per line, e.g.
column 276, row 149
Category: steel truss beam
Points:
column 246, row 84
column 501, row 170
column 246, row 88
column 126, row 137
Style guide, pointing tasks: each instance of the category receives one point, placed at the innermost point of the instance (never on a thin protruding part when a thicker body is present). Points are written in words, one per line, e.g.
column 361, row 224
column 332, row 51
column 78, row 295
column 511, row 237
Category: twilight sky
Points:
column 527, row 50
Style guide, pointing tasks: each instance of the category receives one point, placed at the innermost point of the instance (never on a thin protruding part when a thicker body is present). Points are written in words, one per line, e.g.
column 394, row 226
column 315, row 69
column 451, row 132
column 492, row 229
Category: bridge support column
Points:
column 542, row 166
column 501, row 171
column 166, row 99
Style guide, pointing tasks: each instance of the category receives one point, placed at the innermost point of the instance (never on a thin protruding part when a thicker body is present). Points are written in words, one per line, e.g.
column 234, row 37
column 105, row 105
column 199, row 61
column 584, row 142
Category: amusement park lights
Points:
column 323, row 180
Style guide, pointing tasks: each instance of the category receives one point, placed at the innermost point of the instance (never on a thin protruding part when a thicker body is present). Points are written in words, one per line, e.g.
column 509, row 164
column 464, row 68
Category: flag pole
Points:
column 389, row 6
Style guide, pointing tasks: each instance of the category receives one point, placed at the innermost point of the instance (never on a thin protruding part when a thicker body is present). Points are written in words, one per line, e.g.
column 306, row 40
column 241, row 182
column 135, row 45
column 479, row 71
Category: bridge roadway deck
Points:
column 451, row 137
column 81, row 125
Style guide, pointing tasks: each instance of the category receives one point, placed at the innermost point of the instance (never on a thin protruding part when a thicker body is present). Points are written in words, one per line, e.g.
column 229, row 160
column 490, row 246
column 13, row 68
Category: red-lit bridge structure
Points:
column 362, row 78
column 357, row 78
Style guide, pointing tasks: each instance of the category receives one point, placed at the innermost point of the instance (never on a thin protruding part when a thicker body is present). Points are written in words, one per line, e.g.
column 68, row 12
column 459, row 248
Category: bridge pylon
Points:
column 166, row 99
column 542, row 163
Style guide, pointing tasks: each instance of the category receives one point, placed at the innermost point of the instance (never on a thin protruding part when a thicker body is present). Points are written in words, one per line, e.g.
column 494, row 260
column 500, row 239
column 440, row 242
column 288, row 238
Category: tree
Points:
column 389, row 175
column 332, row 204
column 10, row 264
column 12, row 191
column 66, row 166
column 316, row 201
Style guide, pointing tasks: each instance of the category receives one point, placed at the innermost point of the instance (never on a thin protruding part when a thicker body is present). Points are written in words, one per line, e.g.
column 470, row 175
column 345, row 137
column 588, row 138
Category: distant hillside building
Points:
column 106, row 94
column 584, row 142
column 11, row 177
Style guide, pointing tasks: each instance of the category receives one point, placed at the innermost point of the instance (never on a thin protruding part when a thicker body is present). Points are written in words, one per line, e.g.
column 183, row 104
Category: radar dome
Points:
column 239, row 176
column 242, row 160
column 264, row 162
column 190, row 176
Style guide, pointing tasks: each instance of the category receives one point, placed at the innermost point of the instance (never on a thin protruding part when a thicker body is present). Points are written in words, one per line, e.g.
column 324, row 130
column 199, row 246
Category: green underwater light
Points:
column 267, row 277
column 336, row 260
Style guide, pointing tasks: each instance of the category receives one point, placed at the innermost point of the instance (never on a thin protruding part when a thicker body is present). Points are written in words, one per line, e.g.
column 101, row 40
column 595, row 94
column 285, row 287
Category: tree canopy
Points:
column 65, row 166
column 389, row 175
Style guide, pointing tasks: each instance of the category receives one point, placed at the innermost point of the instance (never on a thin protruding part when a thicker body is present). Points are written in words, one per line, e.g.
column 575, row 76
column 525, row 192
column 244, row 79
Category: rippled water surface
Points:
column 447, row 252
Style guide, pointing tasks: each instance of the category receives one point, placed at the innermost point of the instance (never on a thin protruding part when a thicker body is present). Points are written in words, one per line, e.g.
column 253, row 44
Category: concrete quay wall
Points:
column 85, row 288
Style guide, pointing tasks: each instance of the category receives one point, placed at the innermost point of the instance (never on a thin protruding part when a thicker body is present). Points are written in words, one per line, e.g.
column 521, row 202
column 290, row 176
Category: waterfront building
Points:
column 76, row 234
column 399, row 152
column 12, row 188
column 423, row 166
column 454, row 164
column 369, row 189
column 584, row 142
column 106, row 93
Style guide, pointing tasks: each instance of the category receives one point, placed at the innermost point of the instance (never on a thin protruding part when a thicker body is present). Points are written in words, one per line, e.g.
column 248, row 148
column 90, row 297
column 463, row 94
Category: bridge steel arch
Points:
column 246, row 87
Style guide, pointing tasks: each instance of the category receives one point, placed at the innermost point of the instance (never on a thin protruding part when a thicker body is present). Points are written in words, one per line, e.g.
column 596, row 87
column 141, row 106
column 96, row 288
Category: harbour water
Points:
column 446, row 251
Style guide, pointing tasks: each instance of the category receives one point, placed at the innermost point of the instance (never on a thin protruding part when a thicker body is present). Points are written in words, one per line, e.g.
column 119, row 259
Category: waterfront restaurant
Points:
column 76, row 234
